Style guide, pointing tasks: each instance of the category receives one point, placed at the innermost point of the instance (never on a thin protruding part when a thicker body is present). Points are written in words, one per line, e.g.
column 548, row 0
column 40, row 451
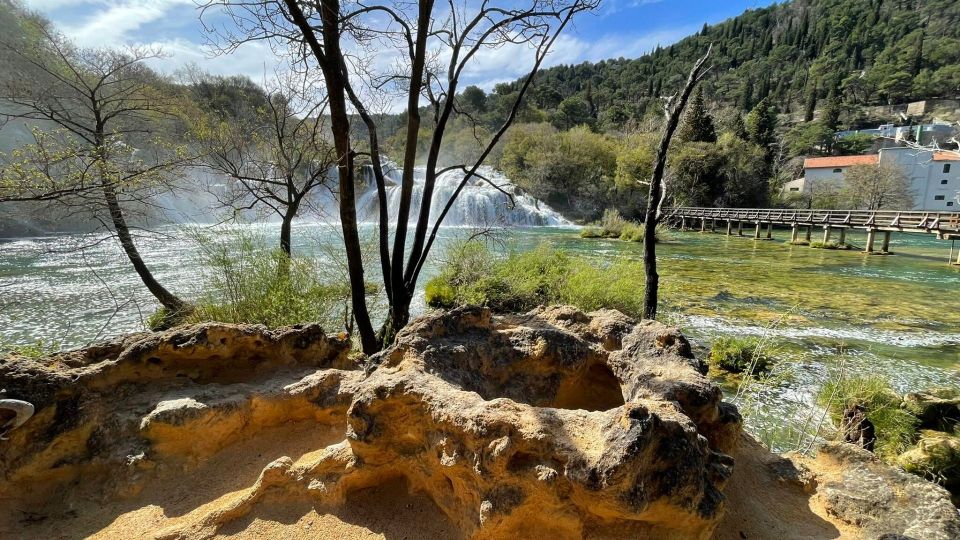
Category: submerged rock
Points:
column 553, row 423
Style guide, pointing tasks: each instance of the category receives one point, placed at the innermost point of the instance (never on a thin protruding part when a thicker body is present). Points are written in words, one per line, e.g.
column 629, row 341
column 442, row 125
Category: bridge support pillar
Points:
column 739, row 228
column 683, row 224
column 703, row 224
column 885, row 247
column 808, row 233
column 826, row 233
column 729, row 227
column 843, row 236
column 793, row 234
column 770, row 231
column 756, row 232
column 713, row 225
column 871, row 236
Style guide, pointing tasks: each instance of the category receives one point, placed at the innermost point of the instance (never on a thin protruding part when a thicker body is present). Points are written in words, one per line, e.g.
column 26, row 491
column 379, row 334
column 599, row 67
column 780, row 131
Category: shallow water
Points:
column 895, row 316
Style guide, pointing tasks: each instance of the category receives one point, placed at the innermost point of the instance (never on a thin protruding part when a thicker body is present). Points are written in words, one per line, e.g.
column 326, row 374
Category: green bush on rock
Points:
column 739, row 355
column 524, row 280
column 895, row 425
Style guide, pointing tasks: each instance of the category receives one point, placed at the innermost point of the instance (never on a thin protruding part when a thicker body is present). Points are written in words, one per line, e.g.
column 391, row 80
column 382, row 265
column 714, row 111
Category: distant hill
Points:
column 867, row 52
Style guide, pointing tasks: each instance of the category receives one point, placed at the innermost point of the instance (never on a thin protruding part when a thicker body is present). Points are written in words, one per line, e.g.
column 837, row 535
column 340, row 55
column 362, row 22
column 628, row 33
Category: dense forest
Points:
column 783, row 80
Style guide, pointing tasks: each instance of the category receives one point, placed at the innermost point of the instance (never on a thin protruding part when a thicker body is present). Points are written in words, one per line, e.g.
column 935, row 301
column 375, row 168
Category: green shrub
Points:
column 936, row 457
column 545, row 275
column 439, row 294
column 739, row 355
column 632, row 233
column 592, row 232
column 244, row 281
column 613, row 223
column 895, row 425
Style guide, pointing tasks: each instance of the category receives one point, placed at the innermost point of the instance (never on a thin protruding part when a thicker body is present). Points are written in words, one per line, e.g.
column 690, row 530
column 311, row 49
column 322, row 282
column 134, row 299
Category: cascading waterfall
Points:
column 479, row 204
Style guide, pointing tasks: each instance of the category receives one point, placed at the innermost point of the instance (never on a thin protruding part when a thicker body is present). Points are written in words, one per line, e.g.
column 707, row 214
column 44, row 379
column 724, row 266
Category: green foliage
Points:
column 791, row 52
column 36, row 350
column 697, row 123
column 545, row 275
column 831, row 244
column 894, row 424
column 936, row 457
column 244, row 281
column 739, row 355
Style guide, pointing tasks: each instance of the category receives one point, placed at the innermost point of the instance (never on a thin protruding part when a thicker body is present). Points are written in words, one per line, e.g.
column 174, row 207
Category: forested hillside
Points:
column 796, row 54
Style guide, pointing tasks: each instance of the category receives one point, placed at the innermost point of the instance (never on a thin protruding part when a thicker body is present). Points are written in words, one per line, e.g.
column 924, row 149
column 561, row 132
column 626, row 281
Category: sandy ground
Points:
column 388, row 511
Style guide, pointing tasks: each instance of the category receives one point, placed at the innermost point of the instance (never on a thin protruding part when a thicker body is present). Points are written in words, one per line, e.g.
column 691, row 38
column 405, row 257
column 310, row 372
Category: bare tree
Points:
column 95, row 115
column 276, row 153
column 873, row 187
column 427, row 49
column 673, row 109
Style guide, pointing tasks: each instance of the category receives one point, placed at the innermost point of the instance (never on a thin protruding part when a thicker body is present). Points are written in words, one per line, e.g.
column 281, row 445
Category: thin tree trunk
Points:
column 330, row 59
column 655, row 195
column 286, row 229
column 165, row 297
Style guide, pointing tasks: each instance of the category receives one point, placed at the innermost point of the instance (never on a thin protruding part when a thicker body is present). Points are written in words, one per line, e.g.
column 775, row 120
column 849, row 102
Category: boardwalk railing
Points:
column 941, row 223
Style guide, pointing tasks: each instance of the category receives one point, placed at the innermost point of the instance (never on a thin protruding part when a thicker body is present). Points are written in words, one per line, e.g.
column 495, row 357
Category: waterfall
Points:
column 479, row 203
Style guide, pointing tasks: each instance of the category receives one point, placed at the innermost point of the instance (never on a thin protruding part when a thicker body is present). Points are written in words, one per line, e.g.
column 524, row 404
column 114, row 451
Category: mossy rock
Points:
column 739, row 355
column 936, row 456
column 829, row 245
column 937, row 409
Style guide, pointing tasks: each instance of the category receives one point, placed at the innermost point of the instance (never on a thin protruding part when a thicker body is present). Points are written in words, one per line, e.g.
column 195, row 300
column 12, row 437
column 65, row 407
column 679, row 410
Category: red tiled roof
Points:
column 946, row 156
column 840, row 161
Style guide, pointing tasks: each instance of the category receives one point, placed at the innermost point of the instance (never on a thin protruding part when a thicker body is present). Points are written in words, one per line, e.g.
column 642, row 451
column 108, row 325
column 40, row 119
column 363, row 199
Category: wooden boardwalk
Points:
column 945, row 225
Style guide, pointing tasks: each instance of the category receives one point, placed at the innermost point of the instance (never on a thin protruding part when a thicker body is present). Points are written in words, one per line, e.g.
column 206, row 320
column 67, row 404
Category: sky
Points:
column 618, row 28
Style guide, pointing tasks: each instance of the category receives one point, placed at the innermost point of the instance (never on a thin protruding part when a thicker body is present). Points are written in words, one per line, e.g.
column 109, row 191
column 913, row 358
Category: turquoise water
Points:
column 895, row 316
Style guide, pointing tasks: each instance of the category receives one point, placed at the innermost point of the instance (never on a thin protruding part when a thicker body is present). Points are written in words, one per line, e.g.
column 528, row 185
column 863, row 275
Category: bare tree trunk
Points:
column 286, row 229
column 330, row 58
column 165, row 297
column 673, row 110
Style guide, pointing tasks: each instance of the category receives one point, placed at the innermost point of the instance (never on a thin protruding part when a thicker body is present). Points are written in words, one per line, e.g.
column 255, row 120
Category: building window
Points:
column 950, row 203
column 794, row 189
column 943, row 182
column 939, row 197
column 841, row 170
column 946, row 167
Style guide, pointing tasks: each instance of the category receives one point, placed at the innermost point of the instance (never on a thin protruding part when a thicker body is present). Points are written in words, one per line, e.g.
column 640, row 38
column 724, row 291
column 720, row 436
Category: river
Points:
column 894, row 316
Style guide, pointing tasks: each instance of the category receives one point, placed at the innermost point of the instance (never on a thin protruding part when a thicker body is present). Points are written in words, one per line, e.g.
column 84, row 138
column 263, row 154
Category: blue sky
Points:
column 625, row 28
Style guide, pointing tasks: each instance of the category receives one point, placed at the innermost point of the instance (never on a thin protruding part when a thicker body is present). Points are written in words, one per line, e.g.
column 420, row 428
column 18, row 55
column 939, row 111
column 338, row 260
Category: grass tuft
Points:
column 739, row 355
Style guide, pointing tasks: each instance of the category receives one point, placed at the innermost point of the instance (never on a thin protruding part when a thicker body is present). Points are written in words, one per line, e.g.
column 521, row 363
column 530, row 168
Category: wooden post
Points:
column 756, row 232
column 713, row 225
column 739, row 228
column 770, row 231
column 843, row 235
column 808, row 233
column 793, row 234
column 729, row 226
column 703, row 224
column 885, row 248
column 683, row 224
column 871, row 235
column 827, row 229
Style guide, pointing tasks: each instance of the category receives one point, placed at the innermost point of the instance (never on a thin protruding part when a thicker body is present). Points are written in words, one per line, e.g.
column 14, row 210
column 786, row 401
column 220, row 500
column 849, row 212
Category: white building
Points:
column 934, row 176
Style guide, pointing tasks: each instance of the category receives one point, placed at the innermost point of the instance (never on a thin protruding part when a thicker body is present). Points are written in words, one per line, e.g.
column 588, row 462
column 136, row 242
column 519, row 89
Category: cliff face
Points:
column 552, row 423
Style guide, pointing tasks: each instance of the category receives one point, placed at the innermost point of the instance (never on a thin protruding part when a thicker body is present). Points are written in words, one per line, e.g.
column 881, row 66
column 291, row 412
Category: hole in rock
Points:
column 597, row 389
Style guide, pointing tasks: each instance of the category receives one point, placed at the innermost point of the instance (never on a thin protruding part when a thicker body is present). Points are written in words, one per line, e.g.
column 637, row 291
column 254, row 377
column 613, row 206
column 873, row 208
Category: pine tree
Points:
column 697, row 122
column 746, row 94
column 738, row 128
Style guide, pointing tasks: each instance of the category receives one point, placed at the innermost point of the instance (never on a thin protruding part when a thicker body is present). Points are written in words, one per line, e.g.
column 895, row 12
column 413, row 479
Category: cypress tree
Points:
column 697, row 122
column 761, row 124
column 811, row 103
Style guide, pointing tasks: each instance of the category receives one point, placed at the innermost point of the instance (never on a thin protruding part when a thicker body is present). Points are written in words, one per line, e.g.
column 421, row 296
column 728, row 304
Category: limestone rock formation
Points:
column 554, row 423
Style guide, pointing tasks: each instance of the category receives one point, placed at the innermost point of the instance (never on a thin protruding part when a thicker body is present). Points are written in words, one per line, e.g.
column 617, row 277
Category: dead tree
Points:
column 276, row 154
column 95, row 114
column 429, row 47
column 673, row 109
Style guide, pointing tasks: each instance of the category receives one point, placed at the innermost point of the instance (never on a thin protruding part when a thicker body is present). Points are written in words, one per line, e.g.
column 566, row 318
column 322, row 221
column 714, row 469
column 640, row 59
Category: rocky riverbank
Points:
column 551, row 423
